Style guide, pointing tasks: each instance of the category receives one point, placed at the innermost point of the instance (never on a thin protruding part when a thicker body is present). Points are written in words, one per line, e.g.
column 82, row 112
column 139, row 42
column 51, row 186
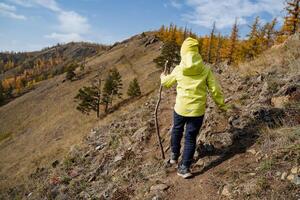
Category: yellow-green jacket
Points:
column 193, row 79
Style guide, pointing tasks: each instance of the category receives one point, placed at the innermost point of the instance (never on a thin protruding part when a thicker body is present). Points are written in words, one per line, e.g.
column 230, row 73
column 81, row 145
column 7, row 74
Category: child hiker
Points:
column 193, row 79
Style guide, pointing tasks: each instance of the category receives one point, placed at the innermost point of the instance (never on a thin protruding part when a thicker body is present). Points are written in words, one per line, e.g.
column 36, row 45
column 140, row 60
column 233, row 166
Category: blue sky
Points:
column 27, row 25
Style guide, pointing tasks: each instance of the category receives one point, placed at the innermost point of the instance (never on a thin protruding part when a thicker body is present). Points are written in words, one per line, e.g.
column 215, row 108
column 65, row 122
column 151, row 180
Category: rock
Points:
column 200, row 162
column 99, row 147
column 118, row 157
column 159, row 187
column 294, row 170
column 228, row 99
column 252, row 151
column 140, row 133
column 252, row 174
column 290, row 177
column 280, row 102
column 283, row 176
column 278, row 173
column 225, row 191
column 296, row 180
column 259, row 78
column 156, row 198
column 84, row 195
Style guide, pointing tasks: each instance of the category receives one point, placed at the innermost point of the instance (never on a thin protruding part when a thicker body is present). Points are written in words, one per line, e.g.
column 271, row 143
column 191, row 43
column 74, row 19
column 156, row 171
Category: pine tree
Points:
column 171, row 52
column 70, row 72
column 117, row 82
column 233, row 43
column 112, row 87
column 218, row 51
column 292, row 20
column 134, row 88
column 270, row 33
column 90, row 98
column 211, row 43
column 254, row 43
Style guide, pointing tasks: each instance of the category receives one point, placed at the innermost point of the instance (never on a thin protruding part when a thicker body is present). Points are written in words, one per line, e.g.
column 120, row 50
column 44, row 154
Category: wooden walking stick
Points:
column 155, row 114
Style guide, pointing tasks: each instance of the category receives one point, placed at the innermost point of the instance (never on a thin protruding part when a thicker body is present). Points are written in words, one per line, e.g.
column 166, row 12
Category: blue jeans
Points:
column 193, row 125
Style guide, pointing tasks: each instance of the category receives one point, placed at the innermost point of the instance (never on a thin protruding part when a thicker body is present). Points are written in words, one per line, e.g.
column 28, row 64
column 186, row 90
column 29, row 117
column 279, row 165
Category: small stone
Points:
column 200, row 162
column 278, row 173
column 225, row 191
column 296, row 180
column 252, row 174
column 294, row 170
column 159, row 187
column 290, row 177
column 118, row 158
column 98, row 147
column 156, row 198
column 84, row 195
column 283, row 175
column 252, row 151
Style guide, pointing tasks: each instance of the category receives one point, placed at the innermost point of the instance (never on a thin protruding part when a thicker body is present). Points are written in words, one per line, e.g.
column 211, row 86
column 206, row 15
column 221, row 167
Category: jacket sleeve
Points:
column 215, row 91
column 169, row 80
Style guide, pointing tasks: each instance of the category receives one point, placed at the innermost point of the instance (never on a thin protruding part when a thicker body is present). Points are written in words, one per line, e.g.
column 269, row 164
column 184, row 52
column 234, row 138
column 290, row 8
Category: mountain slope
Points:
column 250, row 153
column 41, row 125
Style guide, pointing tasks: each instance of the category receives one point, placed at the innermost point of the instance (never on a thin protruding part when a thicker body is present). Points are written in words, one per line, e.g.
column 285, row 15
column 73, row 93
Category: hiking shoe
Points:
column 184, row 171
column 174, row 158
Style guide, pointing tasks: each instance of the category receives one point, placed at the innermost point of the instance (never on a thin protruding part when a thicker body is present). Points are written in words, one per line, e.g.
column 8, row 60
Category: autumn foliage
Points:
column 216, row 48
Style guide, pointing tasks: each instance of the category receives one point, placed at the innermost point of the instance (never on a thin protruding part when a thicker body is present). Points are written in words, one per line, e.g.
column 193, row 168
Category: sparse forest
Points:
column 20, row 72
column 90, row 98
column 231, row 49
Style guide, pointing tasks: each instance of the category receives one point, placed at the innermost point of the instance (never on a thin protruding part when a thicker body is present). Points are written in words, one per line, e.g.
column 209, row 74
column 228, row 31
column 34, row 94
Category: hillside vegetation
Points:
column 251, row 154
column 41, row 125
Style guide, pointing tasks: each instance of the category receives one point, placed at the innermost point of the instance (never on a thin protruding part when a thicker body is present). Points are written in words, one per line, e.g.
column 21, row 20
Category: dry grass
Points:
column 275, row 139
column 284, row 57
column 45, row 122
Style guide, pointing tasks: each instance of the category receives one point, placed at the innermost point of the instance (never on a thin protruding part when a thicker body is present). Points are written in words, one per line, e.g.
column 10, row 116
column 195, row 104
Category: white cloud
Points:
column 49, row 4
column 10, row 11
column 205, row 12
column 175, row 4
column 65, row 37
column 71, row 25
column 72, row 22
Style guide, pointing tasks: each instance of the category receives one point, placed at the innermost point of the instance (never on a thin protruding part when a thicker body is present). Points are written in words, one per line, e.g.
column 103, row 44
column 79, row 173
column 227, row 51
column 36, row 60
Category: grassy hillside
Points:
column 41, row 125
column 49, row 150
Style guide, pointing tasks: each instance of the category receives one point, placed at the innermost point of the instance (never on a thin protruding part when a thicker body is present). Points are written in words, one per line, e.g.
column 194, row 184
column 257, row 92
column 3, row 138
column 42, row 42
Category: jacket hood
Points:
column 191, row 61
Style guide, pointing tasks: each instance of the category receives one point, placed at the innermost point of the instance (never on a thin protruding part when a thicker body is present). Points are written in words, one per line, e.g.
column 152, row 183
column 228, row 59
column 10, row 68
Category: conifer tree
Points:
column 70, row 72
column 218, row 51
column 211, row 43
column 270, row 33
column 134, row 88
column 292, row 20
column 171, row 52
column 254, row 42
column 117, row 82
column 89, row 98
column 112, row 87
column 233, row 43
